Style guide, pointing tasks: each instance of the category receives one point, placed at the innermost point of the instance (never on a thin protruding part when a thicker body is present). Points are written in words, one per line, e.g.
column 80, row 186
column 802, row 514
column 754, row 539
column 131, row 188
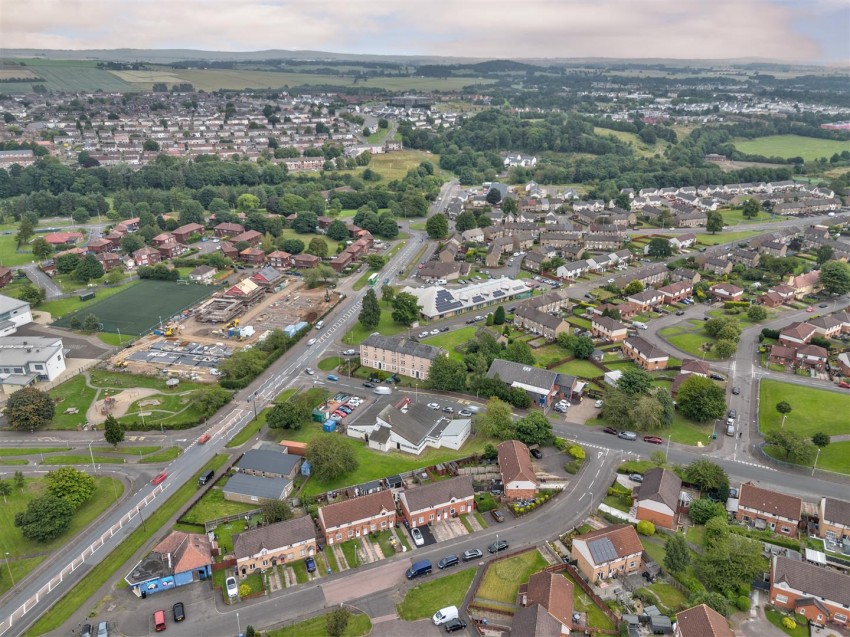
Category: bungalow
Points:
column 701, row 621
column 179, row 559
column 203, row 274
column 147, row 256
column 305, row 261
column 657, row 498
column 611, row 552
column 546, row 600
column 437, row 270
column 542, row 385
column 645, row 354
column 537, row 322
column 437, row 501
column 769, row 299
column 608, row 329
column 726, row 292
column 269, row 464
column 676, row 292
column 646, row 300
column 183, row 233
column 763, row 508
column 819, row 594
column 357, row 517
column 280, row 259
column 57, row 239
column 797, row 334
column 519, row 481
column 267, row 546
column 683, row 241
column 250, row 489
column 834, row 519
column 228, row 229
column 782, row 355
column 812, row 357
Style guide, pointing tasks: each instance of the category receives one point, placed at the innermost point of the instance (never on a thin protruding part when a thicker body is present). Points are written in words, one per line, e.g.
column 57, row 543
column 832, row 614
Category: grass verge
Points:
column 502, row 579
column 421, row 602
column 358, row 626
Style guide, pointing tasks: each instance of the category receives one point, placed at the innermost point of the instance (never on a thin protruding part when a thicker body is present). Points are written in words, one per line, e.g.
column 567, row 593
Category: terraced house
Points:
column 356, row 517
column 268, row 546
column 437, row 501
column 818, row 593
column 765, row 509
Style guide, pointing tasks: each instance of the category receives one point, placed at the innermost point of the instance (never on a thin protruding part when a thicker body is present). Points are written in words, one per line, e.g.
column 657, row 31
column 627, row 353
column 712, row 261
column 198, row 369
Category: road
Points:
column 40, row 279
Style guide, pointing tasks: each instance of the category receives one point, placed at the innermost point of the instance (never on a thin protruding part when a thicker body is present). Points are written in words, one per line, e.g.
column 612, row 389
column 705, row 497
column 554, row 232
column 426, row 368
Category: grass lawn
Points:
column 9, row 250
column 785, row 146
column 775, row 618
column 581, row 368
column 358, row 625
column 61, row 307
column 386, row 326
column 13, row 462
column 360, row 283
column 502, row 579
column 83, row 460
column 812, row 410
column 681, row 430
column 254, row 581
column 329, row 364
column 247, row 433
column 213, row 505
column 696, row 535
column 655, row 550
column 671, row 597
column 395, row 165
column 300, row 570
column 449, row 340
column 420, row 602
column 330, row 558
column 30, row 451
column 402, row 537
column 289, row 233
column 832, row 458
column 107, row 492
column 736, row 216
column 166, row 455
column 583, row 604
column 689, row 337
column 351, row 549
column 128, row 450
column 73, row 393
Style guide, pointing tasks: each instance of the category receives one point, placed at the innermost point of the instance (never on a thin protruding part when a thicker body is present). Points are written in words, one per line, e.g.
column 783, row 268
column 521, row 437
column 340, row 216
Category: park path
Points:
column 122, row 403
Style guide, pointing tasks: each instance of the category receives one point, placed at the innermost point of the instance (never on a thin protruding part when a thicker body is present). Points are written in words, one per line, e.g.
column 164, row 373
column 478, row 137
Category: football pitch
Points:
column 139, row 308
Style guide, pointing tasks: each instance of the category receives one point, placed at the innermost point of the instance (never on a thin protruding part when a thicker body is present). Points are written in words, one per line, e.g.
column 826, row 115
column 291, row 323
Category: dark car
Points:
column 455, row 624
column 310, row 563
column 471, row 554
column 716, row 377
column 449, row 560
column 179, row 612
column 537, row 453
column 654, row 440
column 470, row 321
column 85, row 631
column 445, row 329
column 824, row 305
column 680, row 313
column 369, row 385
column 495, row 547
column 497, row 515
column 736, row 390
column 611, row 430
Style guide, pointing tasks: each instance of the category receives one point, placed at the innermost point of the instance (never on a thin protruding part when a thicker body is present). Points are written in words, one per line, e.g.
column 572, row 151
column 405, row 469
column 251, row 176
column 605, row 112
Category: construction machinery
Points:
column 233, row 323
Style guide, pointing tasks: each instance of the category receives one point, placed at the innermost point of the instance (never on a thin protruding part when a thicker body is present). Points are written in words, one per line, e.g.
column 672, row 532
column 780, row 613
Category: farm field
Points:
column 139, row 308
column 785, row 146
column 70, row 75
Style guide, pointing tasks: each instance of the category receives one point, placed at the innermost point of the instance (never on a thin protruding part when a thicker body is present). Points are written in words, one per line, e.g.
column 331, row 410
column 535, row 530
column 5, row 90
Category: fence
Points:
column 781, row 464
column 209, row 525
column 588, row 590
column 44, row 592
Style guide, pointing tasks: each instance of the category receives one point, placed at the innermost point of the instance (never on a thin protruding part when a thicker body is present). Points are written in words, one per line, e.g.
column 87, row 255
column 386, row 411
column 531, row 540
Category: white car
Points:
column 349, row 352
column 434, row 332
column 598, row 404
column 232, row 587
column 416, row 534
column 309, row 372
column 423, row 335
column 433, row 406
column 216, row 240
column 311, row 342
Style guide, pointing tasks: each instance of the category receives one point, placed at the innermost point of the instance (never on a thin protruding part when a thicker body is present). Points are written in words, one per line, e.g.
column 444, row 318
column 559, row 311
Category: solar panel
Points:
column 498, row 293
column 602, row 550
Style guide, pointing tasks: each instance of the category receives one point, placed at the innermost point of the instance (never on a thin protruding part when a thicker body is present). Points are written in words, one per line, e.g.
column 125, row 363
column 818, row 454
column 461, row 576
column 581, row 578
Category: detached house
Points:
column 518, row 479
column 657, row 498
column 701, row 621
column 614, row 551
column 797, row 334
column 545, row 606
column 820, row 594
column 726, row 292
column 765, row 509
column 437, row 501
column 352, row 518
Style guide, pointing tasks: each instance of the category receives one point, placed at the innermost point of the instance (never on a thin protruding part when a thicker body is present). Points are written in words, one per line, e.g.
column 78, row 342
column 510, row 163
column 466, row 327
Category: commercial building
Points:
column 26, row 360
column 398, row 356
column 439, row 302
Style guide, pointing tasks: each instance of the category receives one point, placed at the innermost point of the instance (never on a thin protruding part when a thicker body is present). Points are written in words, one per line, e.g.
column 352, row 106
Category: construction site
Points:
column 191, row 345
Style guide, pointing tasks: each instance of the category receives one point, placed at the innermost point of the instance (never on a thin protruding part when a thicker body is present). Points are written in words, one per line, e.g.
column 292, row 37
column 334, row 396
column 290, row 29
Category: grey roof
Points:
column 438, row 493
column 609, row 324
column 404, row 346
column 535, row 621
column 662, row 486
column 273, row 536
column 269, row 273
column 836, row 511
column 812, row 580
column 510, row 372
column 542, row 318
column 417, row 424
column 268, row 461
column 262, row 488
column 19, row 351
column 647, row 349
column 7, row 304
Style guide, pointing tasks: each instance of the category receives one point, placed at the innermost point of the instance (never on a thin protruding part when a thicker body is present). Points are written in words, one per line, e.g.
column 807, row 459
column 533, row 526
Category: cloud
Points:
column 468, row 28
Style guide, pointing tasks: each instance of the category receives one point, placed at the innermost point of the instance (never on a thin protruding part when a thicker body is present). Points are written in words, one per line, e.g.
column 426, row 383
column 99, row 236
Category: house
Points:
column 398, row 355
column 555, row 301
column 269, row 464
column 305, row 261
column 518, row 479
column 228, row 250
column 676, row 292
column 646, row 300
column 147, row 256
column 99, row 246
column 26, row 360
column 763, row 508
column 645, row 354
column 342, row 261
column 769, row 299
column 179, row 559
column 812, row 357
column 251, row 237
column 245, row 291
column 717, row 266
column 228, row 229
column 782, row 355
column 551, row 592
column 726, row 292
column 535, row 620
column 434, row 271
column 797, row 334
column 411, row 427
column 537, row 322
column 626, row 310
column 834, row 519
column 473, row 235
column 5, row 276
column 251, row 489
column 204, row 274
column 183, row 233
column 614, row 551
column 542, row 385
column 657, row 498
column 280, row 259
column 437, row 501
column 252, row 256
column 608, row 328
column 356, row 517
column 826, row 326
column 821, row 595
column 683, row 241
column 268, row 278
column 749, row 258
column 805, row 284
column 525, row 161
column 688, row 276
column 701, row 621
column 14, row 313
column 58, row 239
column 279, row 543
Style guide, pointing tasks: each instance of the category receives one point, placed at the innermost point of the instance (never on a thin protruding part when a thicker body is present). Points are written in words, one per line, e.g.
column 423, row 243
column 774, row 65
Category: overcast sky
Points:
column 796, row 30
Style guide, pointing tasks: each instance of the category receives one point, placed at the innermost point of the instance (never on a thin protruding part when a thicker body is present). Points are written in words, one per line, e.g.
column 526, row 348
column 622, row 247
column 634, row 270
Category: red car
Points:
column 655, row 440
column 844, row 385
column 162, row 476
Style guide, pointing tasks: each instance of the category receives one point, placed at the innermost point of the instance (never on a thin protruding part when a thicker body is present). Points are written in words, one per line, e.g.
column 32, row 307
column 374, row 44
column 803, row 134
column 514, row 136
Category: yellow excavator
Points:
column 233, row 323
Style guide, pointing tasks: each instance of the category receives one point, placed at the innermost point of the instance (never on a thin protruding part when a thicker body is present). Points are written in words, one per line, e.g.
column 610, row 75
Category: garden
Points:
column 503, row 577
column 421, row 602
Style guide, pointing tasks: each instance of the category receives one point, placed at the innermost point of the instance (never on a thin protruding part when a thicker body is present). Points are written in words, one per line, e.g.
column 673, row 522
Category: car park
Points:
column 310, row 563
column 416, row 534
column 497, row 515
column 232, row 587
column 495, row 547
column 654, row 440
column 179, row 612
column 159, row 478
column 446, row 562
column 433, row 406
column 627, row 435
column 471, row 554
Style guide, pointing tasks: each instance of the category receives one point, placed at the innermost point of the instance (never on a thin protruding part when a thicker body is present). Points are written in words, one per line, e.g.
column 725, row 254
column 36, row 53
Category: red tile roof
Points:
column 771, row 502
column 374, row 505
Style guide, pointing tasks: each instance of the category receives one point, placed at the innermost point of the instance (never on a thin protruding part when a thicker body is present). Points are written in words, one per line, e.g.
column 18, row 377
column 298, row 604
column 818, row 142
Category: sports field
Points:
column 809, row 148
column 139, row 308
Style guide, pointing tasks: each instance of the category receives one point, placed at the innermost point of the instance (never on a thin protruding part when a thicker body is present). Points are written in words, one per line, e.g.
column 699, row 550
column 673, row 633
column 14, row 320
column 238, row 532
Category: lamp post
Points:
column 667, row 455
column 12, row 577
column 91, row 453
column 254, row 401
column 814, row 466
column 784, row 416
column 238, row 627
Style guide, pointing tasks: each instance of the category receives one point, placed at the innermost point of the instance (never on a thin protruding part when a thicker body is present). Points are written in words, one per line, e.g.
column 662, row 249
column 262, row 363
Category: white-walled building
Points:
column 13, row 314
column 26, row 360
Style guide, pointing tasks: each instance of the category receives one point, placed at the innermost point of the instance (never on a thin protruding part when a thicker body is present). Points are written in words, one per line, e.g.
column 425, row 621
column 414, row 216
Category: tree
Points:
column 725, row 348
column 734, row 561
column 496, row 420
column 318, row 247
column 91, row 323
column 376, row 261
column 583, row 347
column 25, row 231
column 321, row 274
column 275, row 511
column 700, row 399
column 659, row 248
column 783, row 407
column 645, row 527
column 114, row 277
column 647, row 414
column 337, row 230
column 5, row 489
column 287, row 415
column 387, row 293
column 821, row 439
column 635, row 381
column 45, row 518
column 370, row 312
column 676, row 554
column 465, row 221
column 331, row 457
column 714, row 222
column 792, row 445
column 88, row 268
column 210, row 400
column 509, row 205
column 534, row 429
column 723, row 327
column 132, row 242
column 622, row 200
column 499, row 316
column 707, row 476
column 751, row 208
column 405, row 308
column 634, row 287
column 292, row 246
column 835, row 277
column 437, row 226
column 822, row 254
column 29, row 408
column 702, row 510
column 41, row 249
column 756, row 313
column 150, row 145
column 493, row 196
column 658, row 458
column 113, row 431
column 519, row 352
column 337, row 622
column 71, row 485
column 447, row 374
column 31, row 294
column 247, row 202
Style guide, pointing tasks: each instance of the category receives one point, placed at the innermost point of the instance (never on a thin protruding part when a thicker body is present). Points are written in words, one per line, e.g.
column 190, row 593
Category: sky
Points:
column 793, row 30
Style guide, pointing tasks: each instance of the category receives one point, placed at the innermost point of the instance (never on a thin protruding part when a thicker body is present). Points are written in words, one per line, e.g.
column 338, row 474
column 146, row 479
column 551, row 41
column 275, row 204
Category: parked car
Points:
column 179, row 612
column 349, row 352
column 446, row 562
column 103, row 629
column 416, row 534
column 627, row 435
column 733, row 414
column 434, row 332
column 635, row 477
column 537, row 453
column 309, row 372
column 654, row 440
column 159, row 478
column 611, row 430
column 736, row 390
column 85, row 631
column 232, row 587
column 454, row 625
column 680, row 312
column 497, row 515
column 369, row 385
column 716, row 377
column 598, row 404
column 465, row 413
column 449, row 410
column 445, row 329
column 495, row 547
column 471, row 554
column 310, row 563
column 823, row 305
column 433, row 406
column 844, row 385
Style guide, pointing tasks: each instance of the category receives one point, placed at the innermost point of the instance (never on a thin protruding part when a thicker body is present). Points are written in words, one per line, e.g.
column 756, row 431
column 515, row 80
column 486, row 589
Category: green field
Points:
column 689, row 337
column 583, row 369
column 392, row 166
column 709, row 239
column 61, row 307
column 386, row 326
column 812, row 410
column 641, row 147
column 70, row 75
column 785, row 146
column 358, row 625
column 9, row 255
column 421, row 601
column 138, row 309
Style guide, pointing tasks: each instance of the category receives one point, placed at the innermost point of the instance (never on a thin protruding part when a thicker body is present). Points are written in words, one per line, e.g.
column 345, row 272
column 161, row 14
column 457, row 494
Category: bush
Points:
column 743, row 603
column 645, row 527
column 561, row 444
column 694, row 586
column 244, row 590
column 789, row 623
column 577, row 452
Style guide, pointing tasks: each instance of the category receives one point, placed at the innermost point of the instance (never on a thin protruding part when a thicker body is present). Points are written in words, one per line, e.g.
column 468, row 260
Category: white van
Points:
column 639, row 325
column 320, row 325
column 382, row 390
column 445, row 615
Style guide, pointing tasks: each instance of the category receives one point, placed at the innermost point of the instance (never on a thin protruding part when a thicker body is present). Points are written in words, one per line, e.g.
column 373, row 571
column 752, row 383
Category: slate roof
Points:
column 510, row 372
column 645, row 348
column 268, row 462
column 404, row 346
column 262, row 488
column 363, row 508
column 771, row 502
column 273, row 537
column 608, row 324
column 812, row 580
column 662, row 486
column 438, row 493
column 837, row 511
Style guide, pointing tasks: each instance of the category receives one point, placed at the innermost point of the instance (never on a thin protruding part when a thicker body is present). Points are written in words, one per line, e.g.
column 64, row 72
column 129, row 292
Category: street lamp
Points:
column 784, row 416
column 254, row 401
column 238, row 627
column 814, row 466
column 93, row 470
column 667, row 455
column 10, row 569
